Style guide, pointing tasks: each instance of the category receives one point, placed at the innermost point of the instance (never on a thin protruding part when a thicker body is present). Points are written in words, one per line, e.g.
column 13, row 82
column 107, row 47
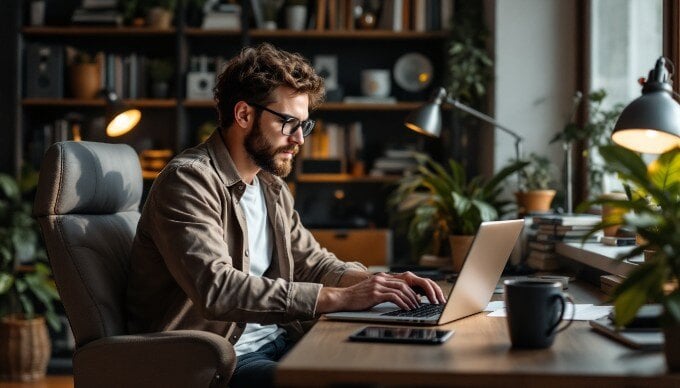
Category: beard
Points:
column 263, row 153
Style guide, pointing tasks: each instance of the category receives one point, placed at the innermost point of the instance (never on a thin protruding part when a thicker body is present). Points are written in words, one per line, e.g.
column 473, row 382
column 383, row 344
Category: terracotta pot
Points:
column 612, row 213
column 460, row 245
column 534, row 201
column 158, row 17
column 85, row 80
column 24, row 348
column 671, row 347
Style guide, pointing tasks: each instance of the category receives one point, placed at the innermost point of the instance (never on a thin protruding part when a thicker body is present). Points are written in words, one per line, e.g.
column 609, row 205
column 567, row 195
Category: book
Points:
column 369, row 100
column 550, row 264
column 568, row 238
column 562, row 228
column 567, row 219
column 542, row 246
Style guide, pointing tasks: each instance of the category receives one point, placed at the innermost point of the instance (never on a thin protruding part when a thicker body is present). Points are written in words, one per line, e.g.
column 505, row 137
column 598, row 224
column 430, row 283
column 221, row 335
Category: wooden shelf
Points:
column 331, row 106
column 96, row 31
column 72, row 102
column 150, row 174
column 342, row 106
column 314, row 34
column 344, row 178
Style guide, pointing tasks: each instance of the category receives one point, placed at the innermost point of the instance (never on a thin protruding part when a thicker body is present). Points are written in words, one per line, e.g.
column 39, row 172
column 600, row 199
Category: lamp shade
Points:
column 120, row 118
column 427, row 119
column 651, row 123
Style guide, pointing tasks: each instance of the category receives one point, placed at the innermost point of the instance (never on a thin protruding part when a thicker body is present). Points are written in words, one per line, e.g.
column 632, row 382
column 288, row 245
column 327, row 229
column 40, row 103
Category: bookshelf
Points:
column 173, row 122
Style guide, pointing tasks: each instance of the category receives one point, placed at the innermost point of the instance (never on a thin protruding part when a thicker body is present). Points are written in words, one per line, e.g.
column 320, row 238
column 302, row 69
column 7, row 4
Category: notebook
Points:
column 476, row 282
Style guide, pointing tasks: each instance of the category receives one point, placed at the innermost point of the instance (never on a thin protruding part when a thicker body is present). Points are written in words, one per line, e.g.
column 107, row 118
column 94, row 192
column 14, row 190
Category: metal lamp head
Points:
column 427, row 119
column 651, row 123
column 120, row 117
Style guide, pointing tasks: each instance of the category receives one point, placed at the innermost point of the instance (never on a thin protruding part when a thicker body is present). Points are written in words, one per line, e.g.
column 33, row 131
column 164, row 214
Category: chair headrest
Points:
column 88, row 178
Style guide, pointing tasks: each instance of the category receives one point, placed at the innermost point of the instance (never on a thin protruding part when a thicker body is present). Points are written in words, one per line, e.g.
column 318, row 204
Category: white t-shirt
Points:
column 260, row 246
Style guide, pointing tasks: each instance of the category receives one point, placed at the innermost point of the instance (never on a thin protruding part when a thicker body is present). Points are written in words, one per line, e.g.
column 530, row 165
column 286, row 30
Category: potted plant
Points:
column 160, row 73
column 653, row 211
column 159, row 13
column 595, row 132
column 535, row 194
column 435, row 203
column 27, row 293
column 84, row 76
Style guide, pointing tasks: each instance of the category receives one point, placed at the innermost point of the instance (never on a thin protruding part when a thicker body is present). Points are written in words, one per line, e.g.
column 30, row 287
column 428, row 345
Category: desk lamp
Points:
column 427, row 119
column 651, row 123
column 120, row 117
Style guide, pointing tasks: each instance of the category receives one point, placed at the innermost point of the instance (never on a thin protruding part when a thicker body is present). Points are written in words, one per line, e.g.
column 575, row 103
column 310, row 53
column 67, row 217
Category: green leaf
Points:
column 27, row 306
column 53, row 320
column 6, row 282
column 9, row 188
column 642, row 284
column 664, row 172
column 626, row 162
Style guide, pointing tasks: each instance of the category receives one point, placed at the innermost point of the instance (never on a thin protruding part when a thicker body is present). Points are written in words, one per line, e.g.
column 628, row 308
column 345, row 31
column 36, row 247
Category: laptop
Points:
column 472, row 291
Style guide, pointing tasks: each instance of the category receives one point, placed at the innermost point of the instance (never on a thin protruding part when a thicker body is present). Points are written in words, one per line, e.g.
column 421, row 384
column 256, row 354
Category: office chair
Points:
column 87, row 205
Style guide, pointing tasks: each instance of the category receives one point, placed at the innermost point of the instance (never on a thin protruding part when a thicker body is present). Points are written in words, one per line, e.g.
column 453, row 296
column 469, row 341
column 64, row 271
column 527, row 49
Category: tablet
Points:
column 407, row 335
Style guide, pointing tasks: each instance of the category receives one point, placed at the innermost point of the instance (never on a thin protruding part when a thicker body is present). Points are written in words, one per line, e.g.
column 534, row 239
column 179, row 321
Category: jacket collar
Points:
column 226, row 169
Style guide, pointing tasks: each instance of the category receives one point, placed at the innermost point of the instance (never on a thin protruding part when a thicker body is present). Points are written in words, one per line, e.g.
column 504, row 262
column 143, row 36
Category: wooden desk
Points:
column 479, row 354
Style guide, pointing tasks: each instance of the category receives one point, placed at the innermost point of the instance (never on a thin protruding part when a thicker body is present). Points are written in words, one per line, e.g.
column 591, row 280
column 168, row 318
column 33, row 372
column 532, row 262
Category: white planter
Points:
column 296, row 17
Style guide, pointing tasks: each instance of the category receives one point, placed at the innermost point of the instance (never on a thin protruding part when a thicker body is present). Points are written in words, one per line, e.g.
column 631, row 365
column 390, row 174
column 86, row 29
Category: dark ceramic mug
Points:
column 535, row 309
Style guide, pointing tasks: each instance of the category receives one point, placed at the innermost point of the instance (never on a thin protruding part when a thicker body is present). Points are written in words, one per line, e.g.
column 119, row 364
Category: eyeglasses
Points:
column 290, row 124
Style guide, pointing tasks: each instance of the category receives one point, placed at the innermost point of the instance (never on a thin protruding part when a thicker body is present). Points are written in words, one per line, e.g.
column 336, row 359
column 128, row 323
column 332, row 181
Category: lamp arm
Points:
column 459, row 105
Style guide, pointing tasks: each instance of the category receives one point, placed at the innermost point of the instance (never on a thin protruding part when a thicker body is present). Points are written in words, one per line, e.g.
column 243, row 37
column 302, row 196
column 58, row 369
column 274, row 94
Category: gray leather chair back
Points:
column 87, row 205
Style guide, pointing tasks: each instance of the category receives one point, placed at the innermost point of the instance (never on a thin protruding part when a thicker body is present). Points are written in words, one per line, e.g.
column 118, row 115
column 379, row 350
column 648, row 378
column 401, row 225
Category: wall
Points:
column 536, row 64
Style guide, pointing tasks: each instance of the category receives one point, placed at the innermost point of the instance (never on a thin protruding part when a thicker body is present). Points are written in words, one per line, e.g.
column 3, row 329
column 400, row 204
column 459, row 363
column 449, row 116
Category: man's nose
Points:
column 297, row 137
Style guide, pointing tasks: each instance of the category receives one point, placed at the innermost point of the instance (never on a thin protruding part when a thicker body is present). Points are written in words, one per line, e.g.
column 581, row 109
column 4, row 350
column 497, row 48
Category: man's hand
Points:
column 395, row 288
column 428, row 286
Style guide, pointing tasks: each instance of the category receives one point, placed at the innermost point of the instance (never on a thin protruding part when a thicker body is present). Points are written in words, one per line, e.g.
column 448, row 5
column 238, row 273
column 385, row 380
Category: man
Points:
column 219, row 246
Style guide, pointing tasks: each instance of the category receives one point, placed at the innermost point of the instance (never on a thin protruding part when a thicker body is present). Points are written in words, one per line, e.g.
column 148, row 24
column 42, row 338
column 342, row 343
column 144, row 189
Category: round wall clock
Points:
column 413, row 72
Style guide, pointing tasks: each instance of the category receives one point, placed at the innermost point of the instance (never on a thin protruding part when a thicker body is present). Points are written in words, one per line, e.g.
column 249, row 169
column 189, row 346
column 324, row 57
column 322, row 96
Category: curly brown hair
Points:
column 256, row 72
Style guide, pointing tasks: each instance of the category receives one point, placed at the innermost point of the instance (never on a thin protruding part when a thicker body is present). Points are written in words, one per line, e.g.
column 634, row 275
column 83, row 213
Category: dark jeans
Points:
column 257, row 369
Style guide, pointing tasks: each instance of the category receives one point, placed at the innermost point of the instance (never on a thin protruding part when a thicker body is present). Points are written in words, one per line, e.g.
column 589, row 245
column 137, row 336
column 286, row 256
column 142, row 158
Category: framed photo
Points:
column 327, row 67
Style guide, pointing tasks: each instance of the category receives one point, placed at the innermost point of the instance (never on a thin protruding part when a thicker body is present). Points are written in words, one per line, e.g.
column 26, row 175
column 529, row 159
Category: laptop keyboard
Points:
column 424, row 310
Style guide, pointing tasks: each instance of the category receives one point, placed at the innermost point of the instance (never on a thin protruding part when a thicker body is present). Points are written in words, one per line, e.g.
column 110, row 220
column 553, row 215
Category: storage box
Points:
column 368, row 246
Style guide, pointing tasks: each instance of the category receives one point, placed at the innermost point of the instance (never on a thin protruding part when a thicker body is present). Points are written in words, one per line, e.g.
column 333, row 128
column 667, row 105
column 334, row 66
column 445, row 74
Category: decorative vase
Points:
column 24, row 348
column 460, row 245
column 296, row 17
column 158, row 17
column 534, row 201
column 85, row 80
column 671, row 347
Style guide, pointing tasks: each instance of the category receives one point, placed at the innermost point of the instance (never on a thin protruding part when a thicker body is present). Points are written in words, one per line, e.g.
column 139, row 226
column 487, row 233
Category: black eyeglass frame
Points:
column 305, row 125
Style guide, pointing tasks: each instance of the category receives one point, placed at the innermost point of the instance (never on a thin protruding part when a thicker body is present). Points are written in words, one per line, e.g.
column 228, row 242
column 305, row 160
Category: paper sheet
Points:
column 584, row 312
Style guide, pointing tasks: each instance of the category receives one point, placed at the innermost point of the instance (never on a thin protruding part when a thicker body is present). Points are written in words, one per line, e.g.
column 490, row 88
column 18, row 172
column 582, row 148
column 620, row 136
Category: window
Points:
column 625, row 41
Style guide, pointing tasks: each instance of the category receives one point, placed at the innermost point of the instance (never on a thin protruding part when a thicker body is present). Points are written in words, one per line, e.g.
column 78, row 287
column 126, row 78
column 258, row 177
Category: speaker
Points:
column 44, row 71
column 200, row 85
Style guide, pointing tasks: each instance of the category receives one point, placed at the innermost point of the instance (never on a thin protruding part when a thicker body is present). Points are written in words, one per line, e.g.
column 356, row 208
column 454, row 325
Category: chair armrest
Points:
column 182, row 358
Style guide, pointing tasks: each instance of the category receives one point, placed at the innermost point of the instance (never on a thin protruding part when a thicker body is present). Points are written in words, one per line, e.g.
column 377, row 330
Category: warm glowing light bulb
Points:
column 123, row 123
column 652, row 134
column 423, row 77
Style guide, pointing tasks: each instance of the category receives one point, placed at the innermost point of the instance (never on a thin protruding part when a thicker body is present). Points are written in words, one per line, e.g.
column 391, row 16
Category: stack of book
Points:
column 223, row 17
column 394, row 162
column 103, row 12
column 547, row 230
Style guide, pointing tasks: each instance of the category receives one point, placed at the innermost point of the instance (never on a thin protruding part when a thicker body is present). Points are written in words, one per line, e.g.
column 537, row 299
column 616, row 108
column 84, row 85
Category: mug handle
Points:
column 564, row 298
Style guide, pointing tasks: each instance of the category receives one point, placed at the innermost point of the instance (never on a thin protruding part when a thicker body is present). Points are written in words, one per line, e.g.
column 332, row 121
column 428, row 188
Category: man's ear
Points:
column 243, row 114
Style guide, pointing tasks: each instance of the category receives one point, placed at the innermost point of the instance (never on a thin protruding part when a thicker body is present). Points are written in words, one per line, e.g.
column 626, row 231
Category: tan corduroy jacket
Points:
column 190, row 259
